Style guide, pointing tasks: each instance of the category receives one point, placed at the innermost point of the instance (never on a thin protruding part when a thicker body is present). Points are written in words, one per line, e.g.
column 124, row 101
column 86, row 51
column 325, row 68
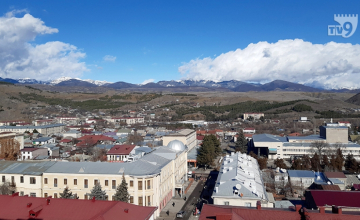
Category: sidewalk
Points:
column 179, row 203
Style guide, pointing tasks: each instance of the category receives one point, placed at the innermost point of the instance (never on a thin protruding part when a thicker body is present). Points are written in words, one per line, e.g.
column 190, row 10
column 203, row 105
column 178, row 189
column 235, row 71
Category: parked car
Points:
column 180, row 214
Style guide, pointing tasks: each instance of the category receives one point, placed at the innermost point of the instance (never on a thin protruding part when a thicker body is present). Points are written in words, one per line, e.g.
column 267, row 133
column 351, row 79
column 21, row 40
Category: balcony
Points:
column 55, row 184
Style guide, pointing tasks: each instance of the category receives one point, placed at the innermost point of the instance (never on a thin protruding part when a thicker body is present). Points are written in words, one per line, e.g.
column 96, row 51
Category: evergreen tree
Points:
column 205, row 156
column 122, row 193
column 35, row 131
column 241, row 143
column 66, row 194
column 339, row 160
column 306, row 162
column 98, row 193
column 325, row 161
column 297, row 164
column 351, row 164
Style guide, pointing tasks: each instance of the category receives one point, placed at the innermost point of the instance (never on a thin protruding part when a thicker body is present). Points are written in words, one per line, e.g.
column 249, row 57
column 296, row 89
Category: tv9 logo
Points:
column 346, row 28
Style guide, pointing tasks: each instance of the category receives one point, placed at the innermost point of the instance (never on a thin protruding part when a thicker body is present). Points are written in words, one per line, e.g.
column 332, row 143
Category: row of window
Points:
column 113, row 183
column 32, row 179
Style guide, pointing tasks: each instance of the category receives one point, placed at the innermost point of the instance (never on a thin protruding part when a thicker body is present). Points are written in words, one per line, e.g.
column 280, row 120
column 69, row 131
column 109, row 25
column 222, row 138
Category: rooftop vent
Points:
column 126, row 210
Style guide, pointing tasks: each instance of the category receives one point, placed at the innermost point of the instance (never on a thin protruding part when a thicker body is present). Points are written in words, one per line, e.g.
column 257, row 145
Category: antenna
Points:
column 238, row 186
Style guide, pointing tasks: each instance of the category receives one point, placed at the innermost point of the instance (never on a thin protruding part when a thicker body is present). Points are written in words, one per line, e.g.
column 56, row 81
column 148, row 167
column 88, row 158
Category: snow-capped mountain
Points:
column 65, row 78
column 97, row 82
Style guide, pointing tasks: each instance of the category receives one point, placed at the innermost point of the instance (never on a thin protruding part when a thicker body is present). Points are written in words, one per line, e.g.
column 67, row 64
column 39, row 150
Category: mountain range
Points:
column 178, row 85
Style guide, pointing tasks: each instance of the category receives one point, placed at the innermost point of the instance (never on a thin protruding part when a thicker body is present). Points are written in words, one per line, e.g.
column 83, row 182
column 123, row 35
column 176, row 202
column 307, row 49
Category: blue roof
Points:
column 268, row 138
column 335, row 181
column 301, row 173
column 42, row 139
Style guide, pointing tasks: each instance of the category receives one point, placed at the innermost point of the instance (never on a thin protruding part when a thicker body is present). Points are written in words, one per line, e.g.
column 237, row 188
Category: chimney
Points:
column 29, row 204
column 258, row 205
column 48, row 201
column 15, row 194
column 126, row 210
column 322, row 209
column 336, row 209
column 297, row 208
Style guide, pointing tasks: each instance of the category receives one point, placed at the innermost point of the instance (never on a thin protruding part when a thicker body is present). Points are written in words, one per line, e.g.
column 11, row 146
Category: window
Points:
column 131, row 183
column 148, row 184
column 12, row 180
column 86, row 197
column 32, row 180
column 247, row 204
column 131, row 199
column 139, row 185
column 148, row 201
column 85, row 183
column 45, row 181
column 95, row 182
column 55, row 195
column 226, row 203
column 21, row 179
column 106, row 182
column 112, row 198
column 45, row 195
column 3, row 179
column 32, row 194
column 75, row 182
column 65, row 181
column 55, row 182
column 113, row 184
column 21, row 193
column 140, row 201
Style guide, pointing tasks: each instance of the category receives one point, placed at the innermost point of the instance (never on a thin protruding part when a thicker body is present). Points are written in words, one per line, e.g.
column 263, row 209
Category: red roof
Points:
column 200, row 137
column 16, row 207
column 121, row 149
column 89, row 140
column 249, row 128
column 344, row 122
column 335, row 175
column 339, row 198
column 29, row 149
column 248, row 135
column 65, row 141
column 222, row 212
column 294, row 134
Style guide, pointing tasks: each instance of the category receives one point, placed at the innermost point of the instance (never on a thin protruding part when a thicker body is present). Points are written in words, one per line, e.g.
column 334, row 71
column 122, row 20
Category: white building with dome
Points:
column 186, row 136
column 177, row 152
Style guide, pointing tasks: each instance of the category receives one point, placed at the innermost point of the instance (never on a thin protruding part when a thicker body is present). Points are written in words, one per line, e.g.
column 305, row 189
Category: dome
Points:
column 176, row 145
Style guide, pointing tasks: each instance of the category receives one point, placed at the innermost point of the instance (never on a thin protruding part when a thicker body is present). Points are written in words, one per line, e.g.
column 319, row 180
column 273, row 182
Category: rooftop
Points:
column 20, row 207
column 121, row 150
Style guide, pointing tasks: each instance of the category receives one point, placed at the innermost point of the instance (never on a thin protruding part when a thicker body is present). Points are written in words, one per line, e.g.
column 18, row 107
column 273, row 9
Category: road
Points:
column 192, row 200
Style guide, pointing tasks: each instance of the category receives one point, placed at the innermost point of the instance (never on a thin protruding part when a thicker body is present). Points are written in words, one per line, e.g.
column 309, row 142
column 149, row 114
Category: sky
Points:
column 149, row 41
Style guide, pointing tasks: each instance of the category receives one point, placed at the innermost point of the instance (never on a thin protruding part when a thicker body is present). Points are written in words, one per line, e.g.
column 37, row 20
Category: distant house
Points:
column 72, row 133
column 337, row 178
column 254, row 115
column 249, row 130
column 32, row 153
column 317, row 198
column 344, row 123
column 119, row 153
column 43, row 140
column 53, row 150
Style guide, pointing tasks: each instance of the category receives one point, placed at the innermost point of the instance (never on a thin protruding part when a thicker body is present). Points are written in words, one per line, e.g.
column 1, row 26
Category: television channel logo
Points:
column 346, row 28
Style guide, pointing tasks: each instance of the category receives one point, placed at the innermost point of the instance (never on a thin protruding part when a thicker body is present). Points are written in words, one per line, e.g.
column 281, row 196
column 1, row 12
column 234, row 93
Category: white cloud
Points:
column 109, row 58
column 331, row 65
column 20, row 59
column 147, row 81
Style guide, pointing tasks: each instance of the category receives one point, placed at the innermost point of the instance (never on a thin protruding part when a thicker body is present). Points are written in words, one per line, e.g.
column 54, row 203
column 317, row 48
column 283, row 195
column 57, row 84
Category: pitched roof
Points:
column 334, row 174
column 339, row 198
column 222, row 212
column 301, row 173
column 121, row 149
column 16, row 207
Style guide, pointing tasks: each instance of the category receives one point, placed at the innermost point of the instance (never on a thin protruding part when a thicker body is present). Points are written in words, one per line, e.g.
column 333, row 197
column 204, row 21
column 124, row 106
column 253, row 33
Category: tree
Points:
column 262, row 161
column 339, row 160
column 7, row 188
column 325, row 161
column 66, row 194
column 297, row 164
column 280, row 163
column 98, row 193
column 35, row 131
column 351, row 164
column 122, row 193
column 315, row 162
column 134, row 138
column 209, row 150
column 9, row 148
column 318, row 147
column 241, row 143
column 306, row 162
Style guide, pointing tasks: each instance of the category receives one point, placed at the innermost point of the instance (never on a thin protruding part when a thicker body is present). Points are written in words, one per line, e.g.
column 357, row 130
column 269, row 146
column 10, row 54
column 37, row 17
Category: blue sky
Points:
column 152, row 39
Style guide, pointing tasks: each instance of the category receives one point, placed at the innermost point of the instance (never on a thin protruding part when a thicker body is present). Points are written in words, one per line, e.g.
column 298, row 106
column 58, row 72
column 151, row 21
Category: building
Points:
column 44, row 122
column 249, row 130
column 3, row 123
column 127, row 120
column 68, row 120
column 222, row 212
column 240, row 183
column 344, row 123
column 290, row 147
column 119, row 153
column 46, row 130
column 186, row 136
column 349, row 200
column 254, row 115
column 53, row 150
column 43, row 140
column 27, row 176
column 31, row 153
column 72, row 133
column 23, row 207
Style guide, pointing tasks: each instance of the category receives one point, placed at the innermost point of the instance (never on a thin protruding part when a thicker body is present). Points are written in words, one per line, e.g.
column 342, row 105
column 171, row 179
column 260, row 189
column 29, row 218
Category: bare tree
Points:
column 9, row 148
column 319, row 147
column 7, row 188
